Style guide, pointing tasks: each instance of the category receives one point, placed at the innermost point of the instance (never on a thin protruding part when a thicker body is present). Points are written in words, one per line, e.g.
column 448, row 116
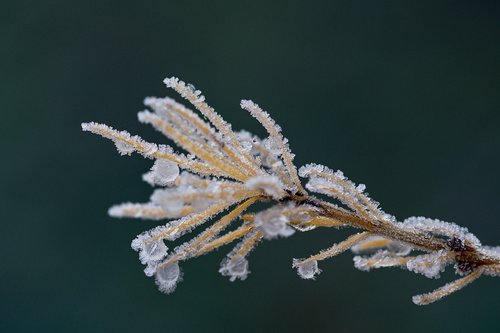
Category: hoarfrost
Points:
column 491, row 251
column 398, row 248
column 378, row 260
column 149, row 250
column 164, row 199
column 376, row 242
column 235, row 267
column 167, row 277
column 441, row 228
column 429, row 265
column 162, row 173
column 273, row 223
column 124, row 148
column 150, row 269
column 270, row 185
column 153, row 251
column 307, row 270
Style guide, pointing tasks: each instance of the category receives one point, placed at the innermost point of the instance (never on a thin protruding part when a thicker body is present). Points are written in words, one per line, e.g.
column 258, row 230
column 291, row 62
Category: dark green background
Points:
column 400, row 95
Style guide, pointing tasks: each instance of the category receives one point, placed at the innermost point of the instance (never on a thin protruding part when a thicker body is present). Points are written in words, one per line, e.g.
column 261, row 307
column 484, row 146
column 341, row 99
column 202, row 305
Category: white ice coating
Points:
column 270, row 185
column 187, row 195
column 162, row 173
column 441, row 228
column 150, row 269
column 334, row 184
column 491, row 251
column 171, row 205
column 235, row 267
column 393, row 247
column 167, row 277
column 307, row 270
column 380, row 259
column 149, row 250
column 125, row 142
column 231, row 167
column 137, row 210
column 398, row 248
column 273, row 223
column 431, row 264
column 124, row 148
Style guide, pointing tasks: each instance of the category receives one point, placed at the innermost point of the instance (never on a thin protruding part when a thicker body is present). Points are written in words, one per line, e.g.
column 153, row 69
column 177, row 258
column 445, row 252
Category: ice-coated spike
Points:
column 446, row 290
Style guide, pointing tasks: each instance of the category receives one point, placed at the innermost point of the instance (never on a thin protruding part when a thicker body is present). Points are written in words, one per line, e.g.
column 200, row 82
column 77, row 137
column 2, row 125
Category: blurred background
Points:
column 401, row 95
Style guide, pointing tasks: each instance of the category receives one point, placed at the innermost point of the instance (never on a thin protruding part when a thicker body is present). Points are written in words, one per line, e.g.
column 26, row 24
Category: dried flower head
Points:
column 226, row 172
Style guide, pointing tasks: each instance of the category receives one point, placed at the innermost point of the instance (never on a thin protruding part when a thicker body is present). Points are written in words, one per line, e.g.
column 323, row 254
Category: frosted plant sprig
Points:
column 225, row 172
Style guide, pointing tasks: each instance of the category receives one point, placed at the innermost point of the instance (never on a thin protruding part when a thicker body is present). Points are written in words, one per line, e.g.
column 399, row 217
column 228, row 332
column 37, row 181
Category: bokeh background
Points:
column 401, row 95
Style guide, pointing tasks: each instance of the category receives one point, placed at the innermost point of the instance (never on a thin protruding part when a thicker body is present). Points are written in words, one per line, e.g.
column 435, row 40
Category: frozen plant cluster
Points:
column 207, row 192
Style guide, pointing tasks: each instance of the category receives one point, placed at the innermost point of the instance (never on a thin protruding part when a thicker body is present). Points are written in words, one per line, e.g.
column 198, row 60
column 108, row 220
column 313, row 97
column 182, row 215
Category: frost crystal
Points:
column 430, row 265
column 441, row 228
column 273, row 223
column 170, row 204
column 307, row 270
column 167, row 277
column 124, row 148
column 224, row 173
column 270, row 185
column 378, row 260
column 162, row 173
column 235, row 268
column 376, row 242
column 150, row 251
column 153, row 251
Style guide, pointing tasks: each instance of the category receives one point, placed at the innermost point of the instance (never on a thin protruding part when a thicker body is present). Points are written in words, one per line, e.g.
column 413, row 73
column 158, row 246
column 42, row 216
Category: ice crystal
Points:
column 235, row 268
column 162, row 173
column 273, row 222
column 208, row 188
column 167, row 277
column 307, row 270
column 430, row 265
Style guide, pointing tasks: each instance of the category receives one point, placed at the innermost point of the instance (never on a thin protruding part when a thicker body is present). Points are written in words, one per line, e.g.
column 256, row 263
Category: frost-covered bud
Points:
column 307, row 270
column 167, row 277
column 162, row 173
column 273, row 223
column 270, row 185
column 235, row 268
column 149, row 250
column 153, row 251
